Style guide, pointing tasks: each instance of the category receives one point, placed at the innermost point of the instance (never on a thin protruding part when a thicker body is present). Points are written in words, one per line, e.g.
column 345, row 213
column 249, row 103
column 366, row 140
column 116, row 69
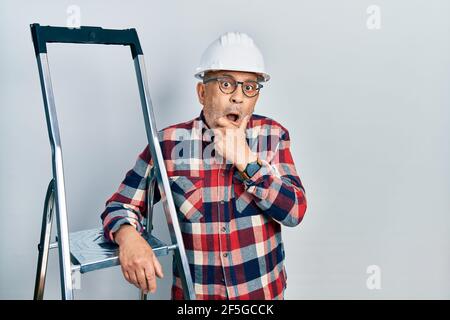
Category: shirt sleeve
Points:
column 277, row 188
column 128, row 205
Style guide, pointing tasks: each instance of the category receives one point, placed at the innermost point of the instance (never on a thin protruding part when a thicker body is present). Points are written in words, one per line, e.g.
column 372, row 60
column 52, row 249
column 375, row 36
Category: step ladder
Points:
column 87, row 250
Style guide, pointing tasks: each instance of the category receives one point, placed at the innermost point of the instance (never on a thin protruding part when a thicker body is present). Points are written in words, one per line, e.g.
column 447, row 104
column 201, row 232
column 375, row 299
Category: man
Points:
column 230, row 211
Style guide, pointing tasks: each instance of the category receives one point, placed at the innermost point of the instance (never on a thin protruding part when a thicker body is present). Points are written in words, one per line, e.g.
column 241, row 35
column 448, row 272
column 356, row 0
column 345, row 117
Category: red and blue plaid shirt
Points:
column 231, row 227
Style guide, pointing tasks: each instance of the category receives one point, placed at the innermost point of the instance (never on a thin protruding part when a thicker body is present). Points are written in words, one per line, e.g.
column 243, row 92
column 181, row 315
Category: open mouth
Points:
column 233, row 117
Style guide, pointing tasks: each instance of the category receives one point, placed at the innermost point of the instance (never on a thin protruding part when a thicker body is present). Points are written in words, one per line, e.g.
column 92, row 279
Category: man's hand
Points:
column 230, row 142
column 137, row 260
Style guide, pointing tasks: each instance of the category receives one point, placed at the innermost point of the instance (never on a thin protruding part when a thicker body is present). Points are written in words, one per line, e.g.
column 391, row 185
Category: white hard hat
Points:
column 233, row 51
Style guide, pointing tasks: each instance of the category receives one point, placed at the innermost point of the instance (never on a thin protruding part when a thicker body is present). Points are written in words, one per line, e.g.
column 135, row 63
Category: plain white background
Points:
column 367, row 110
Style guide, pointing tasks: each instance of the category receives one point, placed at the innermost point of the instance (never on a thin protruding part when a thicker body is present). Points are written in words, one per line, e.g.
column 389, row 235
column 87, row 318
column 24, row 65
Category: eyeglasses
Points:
column 228, row 85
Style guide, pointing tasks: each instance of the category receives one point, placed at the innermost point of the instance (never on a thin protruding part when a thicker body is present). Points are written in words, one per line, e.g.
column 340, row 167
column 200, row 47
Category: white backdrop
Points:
column 367, row 110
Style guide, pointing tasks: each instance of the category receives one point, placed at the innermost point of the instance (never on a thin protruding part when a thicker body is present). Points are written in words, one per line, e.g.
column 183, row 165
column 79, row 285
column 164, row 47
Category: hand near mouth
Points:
column 230, row 142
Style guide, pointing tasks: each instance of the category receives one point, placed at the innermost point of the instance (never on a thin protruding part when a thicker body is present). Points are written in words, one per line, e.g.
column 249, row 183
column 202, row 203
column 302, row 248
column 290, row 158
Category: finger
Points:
column 140, row 274
column 126, row 275
column 150, row 277
column 133, row 278
column 158, row 268
column 244, row 122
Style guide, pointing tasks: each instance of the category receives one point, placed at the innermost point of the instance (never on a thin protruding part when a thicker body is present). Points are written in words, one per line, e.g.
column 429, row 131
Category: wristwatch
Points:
column 251, row 169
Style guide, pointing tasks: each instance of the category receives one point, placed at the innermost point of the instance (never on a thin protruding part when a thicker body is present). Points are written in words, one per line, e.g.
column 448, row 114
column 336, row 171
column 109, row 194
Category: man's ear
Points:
column 201, row 92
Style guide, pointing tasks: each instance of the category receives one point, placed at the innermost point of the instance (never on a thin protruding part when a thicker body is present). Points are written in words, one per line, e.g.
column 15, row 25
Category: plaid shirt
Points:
column 231, row 227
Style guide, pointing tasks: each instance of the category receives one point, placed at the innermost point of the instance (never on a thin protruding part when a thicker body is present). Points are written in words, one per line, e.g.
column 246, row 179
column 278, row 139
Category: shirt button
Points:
column 222, row 202
column 223, row 280
column 225, row 254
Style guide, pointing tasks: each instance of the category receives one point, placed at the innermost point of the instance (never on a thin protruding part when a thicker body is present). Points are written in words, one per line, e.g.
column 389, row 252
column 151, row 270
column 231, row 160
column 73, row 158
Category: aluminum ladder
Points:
column 87, row 250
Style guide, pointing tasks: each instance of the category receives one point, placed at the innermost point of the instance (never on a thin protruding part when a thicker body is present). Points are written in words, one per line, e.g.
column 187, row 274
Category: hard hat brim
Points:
column 265, row 77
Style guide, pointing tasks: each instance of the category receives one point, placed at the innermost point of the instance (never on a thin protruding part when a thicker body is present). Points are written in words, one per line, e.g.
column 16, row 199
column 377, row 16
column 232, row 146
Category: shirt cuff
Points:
column 258, row 184
column 122, row 221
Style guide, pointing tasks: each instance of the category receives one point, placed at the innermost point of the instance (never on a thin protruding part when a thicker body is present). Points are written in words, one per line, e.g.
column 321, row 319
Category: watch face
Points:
column 252, row 168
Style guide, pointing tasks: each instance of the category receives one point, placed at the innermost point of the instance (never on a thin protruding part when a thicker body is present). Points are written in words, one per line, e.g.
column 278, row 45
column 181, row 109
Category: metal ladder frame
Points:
column 56, row 196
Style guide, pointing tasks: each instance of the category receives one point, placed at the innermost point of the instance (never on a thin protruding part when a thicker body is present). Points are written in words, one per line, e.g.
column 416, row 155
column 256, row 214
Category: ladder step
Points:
column 91, row 251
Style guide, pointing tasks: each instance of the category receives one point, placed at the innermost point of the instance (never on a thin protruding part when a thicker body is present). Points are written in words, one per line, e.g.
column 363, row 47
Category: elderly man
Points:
column 230, row 211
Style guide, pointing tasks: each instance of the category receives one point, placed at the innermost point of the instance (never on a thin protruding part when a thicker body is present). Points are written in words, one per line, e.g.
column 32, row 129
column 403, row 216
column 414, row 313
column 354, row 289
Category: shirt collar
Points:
column 203, row 128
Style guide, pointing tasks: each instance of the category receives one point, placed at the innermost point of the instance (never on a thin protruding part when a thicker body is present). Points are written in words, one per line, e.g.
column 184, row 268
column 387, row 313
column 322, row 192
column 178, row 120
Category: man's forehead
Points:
column 236, row 74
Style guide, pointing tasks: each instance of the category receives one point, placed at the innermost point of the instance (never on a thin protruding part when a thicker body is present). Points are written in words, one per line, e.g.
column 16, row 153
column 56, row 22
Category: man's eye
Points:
column 249, row 87
column 226, row 84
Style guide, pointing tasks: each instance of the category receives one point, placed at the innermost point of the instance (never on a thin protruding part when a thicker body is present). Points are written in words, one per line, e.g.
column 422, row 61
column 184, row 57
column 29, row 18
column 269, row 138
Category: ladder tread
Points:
column 90, row 251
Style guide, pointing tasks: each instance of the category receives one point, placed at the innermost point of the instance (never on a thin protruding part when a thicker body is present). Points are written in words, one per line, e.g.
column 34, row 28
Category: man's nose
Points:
column 237, row 96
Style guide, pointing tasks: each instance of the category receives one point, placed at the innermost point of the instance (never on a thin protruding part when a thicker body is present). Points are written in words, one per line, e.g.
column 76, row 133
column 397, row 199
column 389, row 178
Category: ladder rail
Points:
column 149, row 221
column 44, row 243
column 42, row 35
column 58, row 177
column 162, row 179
